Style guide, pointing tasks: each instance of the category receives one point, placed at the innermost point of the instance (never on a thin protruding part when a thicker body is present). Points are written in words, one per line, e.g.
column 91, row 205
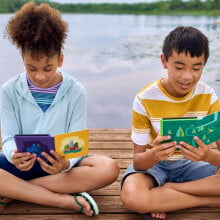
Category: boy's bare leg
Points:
column 140, row 195
column 208, row 186
column 54, row 190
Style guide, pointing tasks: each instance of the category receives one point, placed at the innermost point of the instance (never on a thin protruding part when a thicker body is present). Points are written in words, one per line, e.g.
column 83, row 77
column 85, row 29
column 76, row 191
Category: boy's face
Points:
column 183, row 72
column 43, row 71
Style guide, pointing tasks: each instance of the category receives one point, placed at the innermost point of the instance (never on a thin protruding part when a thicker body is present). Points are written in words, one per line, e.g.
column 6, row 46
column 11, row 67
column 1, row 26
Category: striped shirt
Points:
column 43, row 96
column 153, row 103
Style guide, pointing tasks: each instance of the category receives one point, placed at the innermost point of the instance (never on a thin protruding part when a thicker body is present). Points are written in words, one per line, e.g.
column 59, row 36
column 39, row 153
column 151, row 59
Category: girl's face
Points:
column 43, row 71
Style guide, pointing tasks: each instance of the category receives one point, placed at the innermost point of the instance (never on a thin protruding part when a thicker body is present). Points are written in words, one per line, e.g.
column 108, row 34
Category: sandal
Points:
column 89, row 199
column 4, row 203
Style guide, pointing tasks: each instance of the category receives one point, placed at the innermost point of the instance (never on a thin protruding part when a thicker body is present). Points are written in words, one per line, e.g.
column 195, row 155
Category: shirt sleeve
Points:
column 9, row 125
column 79, row 110
column 78, row 118
column 140, row 124
column 215, row 103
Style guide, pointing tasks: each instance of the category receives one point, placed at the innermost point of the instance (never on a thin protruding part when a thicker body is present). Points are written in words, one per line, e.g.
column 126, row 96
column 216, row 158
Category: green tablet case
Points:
column 185, row 128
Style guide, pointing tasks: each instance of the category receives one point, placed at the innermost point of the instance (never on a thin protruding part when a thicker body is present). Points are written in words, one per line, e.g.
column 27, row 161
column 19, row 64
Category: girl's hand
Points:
column 23, row 161
column 199, row 153
column 162, row 151
column 56, row 163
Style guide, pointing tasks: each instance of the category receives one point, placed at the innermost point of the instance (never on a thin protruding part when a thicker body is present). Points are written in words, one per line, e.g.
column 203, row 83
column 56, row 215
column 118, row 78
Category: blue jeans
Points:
column 35, row 172
column 175, row 171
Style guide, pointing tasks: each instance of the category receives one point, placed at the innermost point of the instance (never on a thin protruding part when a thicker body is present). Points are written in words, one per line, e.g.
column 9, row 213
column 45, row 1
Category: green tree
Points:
column 180, row 132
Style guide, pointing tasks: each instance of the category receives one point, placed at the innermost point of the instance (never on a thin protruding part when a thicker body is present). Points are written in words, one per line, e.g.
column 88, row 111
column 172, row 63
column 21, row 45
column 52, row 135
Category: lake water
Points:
column 116, row 55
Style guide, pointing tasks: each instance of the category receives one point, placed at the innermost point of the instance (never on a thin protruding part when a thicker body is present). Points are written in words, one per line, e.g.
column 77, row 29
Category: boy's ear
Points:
column 163, row 61
column 60, row 60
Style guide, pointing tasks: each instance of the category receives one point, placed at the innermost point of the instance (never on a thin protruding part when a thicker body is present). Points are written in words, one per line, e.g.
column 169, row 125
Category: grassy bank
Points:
column 170, row 7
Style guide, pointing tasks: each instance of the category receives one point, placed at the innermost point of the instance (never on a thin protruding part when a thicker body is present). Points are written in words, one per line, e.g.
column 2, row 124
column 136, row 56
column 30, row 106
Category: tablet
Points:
column 34, row 143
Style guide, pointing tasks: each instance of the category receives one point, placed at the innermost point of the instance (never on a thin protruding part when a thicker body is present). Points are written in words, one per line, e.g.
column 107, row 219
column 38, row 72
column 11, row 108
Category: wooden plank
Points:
column 107, row 204
column 115, row 131
column 22, row 208
column 128, row 154
column 123, row 162
column 199, row 210
column 111, row 190
column 125, row 216
column 114, row 189
column 110, row 135
column 74, row 216
column 193, row 216
column 120, row 145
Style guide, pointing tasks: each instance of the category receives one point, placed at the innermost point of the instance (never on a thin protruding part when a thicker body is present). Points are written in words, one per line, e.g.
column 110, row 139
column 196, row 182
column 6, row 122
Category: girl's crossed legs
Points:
column 92, row 173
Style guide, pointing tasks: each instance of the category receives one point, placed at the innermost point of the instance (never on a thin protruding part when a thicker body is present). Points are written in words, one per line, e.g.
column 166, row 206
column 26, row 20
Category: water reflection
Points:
column 114, row 56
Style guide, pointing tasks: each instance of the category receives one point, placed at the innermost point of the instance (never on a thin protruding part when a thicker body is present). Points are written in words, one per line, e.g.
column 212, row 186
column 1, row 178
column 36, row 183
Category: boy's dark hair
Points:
column 186, row 39
column 39, row 30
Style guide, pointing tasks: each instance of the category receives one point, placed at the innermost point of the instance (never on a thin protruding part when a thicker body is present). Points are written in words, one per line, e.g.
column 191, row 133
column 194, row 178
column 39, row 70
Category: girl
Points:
column 44, row 100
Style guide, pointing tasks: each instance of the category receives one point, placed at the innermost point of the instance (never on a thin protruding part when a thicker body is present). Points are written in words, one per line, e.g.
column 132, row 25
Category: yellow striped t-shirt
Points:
column 153, row 102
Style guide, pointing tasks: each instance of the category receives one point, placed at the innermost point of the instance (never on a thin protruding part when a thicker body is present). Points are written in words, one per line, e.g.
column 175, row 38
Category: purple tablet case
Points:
column 34, row 143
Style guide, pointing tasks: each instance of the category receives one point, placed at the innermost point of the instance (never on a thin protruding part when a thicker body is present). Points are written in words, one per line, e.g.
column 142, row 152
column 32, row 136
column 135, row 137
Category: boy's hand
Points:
column 57, row 163
column 162, row 151
column 199, row 153
column 23, row 161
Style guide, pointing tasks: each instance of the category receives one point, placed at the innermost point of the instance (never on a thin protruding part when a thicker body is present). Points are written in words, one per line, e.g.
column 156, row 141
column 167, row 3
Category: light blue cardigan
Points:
column 20, row 114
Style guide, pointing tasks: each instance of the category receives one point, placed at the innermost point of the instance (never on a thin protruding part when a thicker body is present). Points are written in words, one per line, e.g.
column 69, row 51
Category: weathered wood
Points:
column 123, row 216
column 107, row 204
column 193, row 216
column 114, row 153
column 117, row 144
column 109, row 135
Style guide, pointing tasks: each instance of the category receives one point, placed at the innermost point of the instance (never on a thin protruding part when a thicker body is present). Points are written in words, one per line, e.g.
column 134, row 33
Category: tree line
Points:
column 209, row 7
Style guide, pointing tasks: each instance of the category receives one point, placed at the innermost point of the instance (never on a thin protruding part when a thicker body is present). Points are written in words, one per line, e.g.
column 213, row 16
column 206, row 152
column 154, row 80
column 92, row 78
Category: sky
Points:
column 102, row 1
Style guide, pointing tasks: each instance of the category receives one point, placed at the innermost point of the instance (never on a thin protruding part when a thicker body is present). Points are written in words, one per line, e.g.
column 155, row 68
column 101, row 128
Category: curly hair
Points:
column 38, row 30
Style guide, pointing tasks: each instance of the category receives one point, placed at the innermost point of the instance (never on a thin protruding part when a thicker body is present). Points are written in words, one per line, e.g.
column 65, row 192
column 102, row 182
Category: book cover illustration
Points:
column 184, row 129
column 73, row 144
column 69, row 145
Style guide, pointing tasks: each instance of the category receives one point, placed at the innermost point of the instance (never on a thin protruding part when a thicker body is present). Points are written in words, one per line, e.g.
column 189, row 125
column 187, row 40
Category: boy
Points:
column 162, row 179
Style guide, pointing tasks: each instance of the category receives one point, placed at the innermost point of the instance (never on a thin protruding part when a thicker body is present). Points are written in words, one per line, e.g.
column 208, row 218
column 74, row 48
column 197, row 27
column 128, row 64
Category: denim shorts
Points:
column 35, row 172
column 179, row 171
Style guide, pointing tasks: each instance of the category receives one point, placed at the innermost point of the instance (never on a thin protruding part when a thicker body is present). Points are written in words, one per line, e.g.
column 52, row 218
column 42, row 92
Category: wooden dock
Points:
column 115, row 143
